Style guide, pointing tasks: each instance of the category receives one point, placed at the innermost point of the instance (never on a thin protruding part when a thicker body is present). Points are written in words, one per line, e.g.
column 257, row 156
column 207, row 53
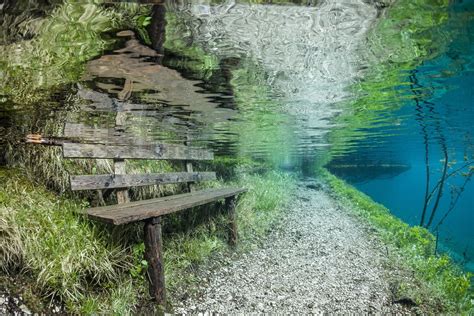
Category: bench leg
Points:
column 154, row 257
column 230, row 203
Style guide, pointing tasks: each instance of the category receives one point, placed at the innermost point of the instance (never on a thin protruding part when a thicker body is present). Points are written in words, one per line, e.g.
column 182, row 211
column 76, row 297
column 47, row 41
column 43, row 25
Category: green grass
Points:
column 439, row 285
column 70, row 257
column 93, row 268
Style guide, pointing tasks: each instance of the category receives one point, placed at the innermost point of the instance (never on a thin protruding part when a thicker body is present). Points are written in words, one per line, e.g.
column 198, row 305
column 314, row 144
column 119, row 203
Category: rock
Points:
column 25, row 309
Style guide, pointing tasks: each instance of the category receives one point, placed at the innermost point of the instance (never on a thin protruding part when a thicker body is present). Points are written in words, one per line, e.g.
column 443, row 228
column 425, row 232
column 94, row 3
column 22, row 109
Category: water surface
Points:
column 339, row 83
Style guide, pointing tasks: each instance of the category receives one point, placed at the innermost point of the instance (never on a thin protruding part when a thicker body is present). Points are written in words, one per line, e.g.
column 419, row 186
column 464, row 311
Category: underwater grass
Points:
column 44, row 236
column 439, row 283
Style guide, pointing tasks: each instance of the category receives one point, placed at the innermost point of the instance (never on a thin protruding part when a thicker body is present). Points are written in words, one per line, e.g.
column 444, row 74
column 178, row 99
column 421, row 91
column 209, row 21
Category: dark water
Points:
column 269, row 83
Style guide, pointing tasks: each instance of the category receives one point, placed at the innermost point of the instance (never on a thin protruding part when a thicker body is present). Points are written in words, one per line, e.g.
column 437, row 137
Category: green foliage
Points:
column 71, row 258
column 193, row 58
column 262, row 123
column 141, row 22
column 72, row 34
column 139, row 264
column 188, row 249
column 267, row 195
column 403, row 37
column 446, row 285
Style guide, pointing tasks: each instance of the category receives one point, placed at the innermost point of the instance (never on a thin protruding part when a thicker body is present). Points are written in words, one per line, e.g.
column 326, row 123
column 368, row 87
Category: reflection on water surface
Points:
column 426, row 125
column 295, row 85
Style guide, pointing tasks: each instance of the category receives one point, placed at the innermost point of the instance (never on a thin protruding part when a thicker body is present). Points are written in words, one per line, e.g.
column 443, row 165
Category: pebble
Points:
column 308, row 276
column 25, row 309
column 12, row 305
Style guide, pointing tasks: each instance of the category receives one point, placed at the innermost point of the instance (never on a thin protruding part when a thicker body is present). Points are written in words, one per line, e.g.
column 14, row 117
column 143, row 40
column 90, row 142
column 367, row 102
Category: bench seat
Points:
column 141, row 210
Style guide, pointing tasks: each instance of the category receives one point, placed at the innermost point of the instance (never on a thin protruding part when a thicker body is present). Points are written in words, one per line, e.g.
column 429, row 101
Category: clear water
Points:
column 433, row 124
column 285, row 84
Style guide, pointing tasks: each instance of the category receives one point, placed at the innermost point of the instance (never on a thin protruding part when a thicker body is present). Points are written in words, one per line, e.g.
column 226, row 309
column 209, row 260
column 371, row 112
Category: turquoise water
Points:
column 409, row 146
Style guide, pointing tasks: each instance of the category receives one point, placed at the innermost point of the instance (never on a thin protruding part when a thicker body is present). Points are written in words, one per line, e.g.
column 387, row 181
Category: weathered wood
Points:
column 110, row 181
column 189, row 168
column 230, row 204
column 159, row 151
column 119, row 169
column 154, row 257
column 141, row 210
column 119, row 162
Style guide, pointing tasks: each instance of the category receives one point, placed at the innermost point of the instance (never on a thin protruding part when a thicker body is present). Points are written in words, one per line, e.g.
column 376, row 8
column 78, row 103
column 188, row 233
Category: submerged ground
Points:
column 320, row 259
column 271, row 112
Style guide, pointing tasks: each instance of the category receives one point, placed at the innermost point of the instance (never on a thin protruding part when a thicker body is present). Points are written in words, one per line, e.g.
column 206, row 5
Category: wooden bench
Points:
column 149, row 211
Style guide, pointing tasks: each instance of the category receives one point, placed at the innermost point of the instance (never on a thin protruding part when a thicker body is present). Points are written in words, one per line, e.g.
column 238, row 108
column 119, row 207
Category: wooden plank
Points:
column 102, row 102
column 110, row 181
column 154, row 257
column 100, row 135
column 141, row 210
column 159, row 151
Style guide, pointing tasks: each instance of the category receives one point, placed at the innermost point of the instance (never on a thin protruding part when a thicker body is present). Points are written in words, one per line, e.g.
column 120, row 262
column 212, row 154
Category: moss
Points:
column 442, row 281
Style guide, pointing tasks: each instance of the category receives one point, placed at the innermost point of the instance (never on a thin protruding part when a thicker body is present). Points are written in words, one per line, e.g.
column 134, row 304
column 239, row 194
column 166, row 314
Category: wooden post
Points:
column 189, row 168
column 122, row 194
column 230, row 203
column 119, row 164
column 154, row 257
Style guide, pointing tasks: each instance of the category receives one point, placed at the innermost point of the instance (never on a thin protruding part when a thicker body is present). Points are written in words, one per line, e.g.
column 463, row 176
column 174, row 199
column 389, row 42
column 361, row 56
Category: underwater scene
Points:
column 254, row 156
column 417, row 159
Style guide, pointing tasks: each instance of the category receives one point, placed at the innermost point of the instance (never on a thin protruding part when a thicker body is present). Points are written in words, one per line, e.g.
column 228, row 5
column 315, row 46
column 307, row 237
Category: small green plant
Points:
column 140, row 265
column 141, row 23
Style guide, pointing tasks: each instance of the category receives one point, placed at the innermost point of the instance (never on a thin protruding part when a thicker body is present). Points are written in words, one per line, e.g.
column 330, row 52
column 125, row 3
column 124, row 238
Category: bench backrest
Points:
column 120, row 180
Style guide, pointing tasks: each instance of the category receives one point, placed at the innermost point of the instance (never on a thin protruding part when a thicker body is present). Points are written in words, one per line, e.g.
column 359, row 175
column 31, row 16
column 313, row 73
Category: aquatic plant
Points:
column 191, row 57
column 450, row 169
column 397, row 44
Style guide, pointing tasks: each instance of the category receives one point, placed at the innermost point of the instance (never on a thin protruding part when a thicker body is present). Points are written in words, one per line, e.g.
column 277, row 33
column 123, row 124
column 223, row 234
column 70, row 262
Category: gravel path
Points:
column 320, row 260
